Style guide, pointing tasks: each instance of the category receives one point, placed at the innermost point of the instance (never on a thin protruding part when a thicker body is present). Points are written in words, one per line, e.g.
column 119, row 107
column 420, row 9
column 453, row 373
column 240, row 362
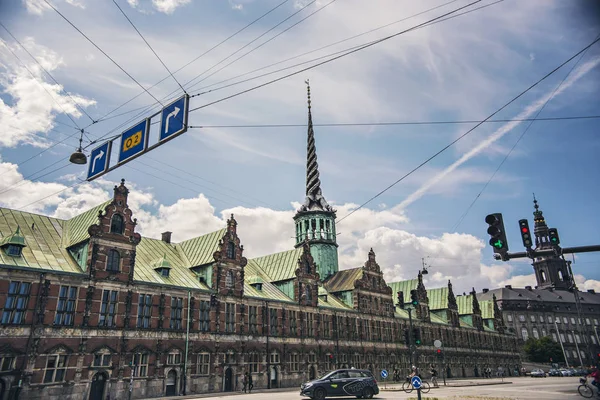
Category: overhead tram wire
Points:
column 42, row 85
column 23, row 180
column 458, row 122
column 428, row 23
column 267, row 41
column 102, row 51
column 150, row 47
column 334, row 58
column 47, row 73
column 196, row 59
column 470, row 130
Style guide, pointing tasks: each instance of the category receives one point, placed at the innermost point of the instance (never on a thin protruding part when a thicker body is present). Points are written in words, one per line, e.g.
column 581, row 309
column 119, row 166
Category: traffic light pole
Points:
column 547, row 252
column 410, row 340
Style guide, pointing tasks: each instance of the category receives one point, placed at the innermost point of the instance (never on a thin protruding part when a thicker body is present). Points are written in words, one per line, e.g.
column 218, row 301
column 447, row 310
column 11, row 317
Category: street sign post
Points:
column 99, row 159
column 134, row 141
column 416, row 382
column 174, row 119
column 437, row 344
column 384, row 375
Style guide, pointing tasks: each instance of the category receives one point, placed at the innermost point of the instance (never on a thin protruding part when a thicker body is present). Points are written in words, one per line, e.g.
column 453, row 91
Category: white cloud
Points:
column 38, row 7
column 532, row 56
column 499, row 133
column 35, row 101
column 169, row 6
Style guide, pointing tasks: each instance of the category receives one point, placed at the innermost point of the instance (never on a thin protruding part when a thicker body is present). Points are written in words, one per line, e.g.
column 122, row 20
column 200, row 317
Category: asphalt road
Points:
column 551, row 388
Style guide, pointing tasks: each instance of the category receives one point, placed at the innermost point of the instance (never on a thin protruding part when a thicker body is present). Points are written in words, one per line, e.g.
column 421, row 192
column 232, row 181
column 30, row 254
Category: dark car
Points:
column 342, row 382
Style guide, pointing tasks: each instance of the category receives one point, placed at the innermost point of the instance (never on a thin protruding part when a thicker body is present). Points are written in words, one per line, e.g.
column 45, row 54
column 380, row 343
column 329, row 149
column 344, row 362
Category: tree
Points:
column 542, row 350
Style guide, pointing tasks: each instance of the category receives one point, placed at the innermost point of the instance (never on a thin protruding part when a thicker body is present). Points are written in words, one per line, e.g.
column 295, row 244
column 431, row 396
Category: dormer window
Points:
column 13, row 244
column 114, row 261
column 13, row 251
column 116, row 224
column 164, row 272
column 231, row 250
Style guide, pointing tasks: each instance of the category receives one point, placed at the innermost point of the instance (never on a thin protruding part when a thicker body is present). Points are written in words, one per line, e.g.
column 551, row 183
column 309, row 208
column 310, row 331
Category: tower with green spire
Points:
column 315, row 220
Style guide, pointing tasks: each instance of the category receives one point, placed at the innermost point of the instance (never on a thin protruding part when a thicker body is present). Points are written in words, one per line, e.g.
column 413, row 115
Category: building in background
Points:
column 550, row 308
column 91, row 309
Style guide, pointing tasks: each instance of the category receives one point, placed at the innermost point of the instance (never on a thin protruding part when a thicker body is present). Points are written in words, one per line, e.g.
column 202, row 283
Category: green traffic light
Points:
column 417, row 341
column 414, row 303
column 499, row 244
column 553, row 239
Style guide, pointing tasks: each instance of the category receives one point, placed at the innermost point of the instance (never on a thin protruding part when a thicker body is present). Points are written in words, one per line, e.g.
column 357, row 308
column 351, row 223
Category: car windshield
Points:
column 326, row 375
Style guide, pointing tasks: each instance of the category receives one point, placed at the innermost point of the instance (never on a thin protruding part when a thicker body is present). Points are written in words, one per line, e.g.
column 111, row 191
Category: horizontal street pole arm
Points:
column 547, row 252
column 581, row 249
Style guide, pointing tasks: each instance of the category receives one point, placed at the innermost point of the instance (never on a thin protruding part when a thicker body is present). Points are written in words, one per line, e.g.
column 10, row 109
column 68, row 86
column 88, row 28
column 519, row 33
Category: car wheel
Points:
column 368, row 393
column 320, row 394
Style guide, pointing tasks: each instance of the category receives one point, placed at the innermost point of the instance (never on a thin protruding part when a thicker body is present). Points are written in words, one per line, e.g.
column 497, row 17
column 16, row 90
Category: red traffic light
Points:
column 524, row 229
column 439, row 351
column 331, row 356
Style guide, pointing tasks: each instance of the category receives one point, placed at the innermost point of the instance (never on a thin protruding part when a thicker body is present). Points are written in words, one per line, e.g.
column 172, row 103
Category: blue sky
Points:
column 461, row 69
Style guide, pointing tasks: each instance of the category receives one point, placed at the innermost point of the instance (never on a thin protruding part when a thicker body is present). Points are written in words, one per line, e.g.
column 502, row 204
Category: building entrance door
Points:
column 312, row 373
column 228, row 380
column 171, row 387
column 273, row 377
column 98, row 385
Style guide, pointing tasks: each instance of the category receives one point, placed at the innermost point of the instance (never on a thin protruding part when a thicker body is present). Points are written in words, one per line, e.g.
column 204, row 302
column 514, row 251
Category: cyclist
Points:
column 596, row 375
column 433, row 373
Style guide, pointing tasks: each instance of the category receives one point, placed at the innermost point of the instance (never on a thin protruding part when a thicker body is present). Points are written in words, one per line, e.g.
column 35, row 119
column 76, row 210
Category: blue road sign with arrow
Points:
column 99, row 160
column 416, row 382
column 174, row 119
column 384, row 374
column 134, row 141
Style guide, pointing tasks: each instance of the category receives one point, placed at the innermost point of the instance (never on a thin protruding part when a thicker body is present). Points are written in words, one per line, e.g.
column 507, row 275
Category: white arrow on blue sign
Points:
column 416, row 382
column 174, row 119
column 99, row 160
column 384, row 374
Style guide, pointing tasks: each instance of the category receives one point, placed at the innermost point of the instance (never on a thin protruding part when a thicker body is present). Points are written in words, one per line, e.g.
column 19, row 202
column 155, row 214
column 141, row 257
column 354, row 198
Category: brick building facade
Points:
column 90, row 309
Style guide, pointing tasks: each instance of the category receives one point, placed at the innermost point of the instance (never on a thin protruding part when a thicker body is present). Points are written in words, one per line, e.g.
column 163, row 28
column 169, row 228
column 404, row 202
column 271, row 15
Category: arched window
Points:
column 229, row 279
column 524, row 333
column 543, row 276
column 535, row 333
column 114, row 261
column 560, row 275
column 231, row 250
column 308, row 293
column 117, row 225
column 307, row 267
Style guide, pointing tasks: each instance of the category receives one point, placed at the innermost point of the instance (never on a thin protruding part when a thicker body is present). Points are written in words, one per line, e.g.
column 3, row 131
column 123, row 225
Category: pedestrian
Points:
column 250, row 384
column 245, row 381
column 434, row 374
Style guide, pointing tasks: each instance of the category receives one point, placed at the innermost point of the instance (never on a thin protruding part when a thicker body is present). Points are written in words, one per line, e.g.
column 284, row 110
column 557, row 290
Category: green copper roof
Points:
column 76, row 229
column 42, row 239
column 436, row 319
column 279, row 266
column 438, row 298
column 200, row 250
column 161, row 263
column 465, row 304
column 343, row 280
column 487, row 309
column 16, row 239
column 332, row 300
column 405, row 287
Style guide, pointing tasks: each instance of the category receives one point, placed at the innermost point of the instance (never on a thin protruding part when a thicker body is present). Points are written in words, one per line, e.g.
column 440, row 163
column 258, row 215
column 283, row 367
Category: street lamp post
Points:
column 560, row 341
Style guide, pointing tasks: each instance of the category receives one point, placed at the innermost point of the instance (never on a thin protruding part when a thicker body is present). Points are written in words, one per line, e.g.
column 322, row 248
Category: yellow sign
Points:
column 334, row 385
column 132, row 141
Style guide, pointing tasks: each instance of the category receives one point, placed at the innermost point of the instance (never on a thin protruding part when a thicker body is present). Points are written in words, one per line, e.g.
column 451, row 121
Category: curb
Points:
column 452, row 386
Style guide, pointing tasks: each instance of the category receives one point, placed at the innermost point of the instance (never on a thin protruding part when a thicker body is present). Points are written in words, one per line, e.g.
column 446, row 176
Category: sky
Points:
column 54, row 82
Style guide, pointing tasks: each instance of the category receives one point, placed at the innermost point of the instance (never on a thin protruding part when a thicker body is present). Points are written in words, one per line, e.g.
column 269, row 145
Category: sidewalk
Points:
column 449, row 383
column 236, row 393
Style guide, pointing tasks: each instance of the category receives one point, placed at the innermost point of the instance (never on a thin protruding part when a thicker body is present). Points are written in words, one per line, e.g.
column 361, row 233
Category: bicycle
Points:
column 584, row 389
column 408, row 387
column 434, row 381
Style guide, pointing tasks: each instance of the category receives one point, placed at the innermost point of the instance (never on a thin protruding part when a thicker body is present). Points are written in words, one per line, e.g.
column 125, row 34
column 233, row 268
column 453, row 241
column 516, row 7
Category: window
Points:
column 509, row 318
column 108, row 309
column 176, row 312
column 542, row 319
column 577, row 338
column 307, row 268
column 310, row 324
column 252, row 320
column 229, row 317
column 593, row 339
column 273, row 322
column 554, row 337
column 521, row 318
column 293, row 363
column 293, row 323
column 573, row 321
column 595, row 321
column 203, row 363
column 231, row 250
column 164, row 272
column 524, row 333
column 587, row 321
column 65, row 308
column 102, row 359
column 144, row 311
column 308, row 293
column 274, row 358
column 13, row 250
column 544, row 332
column 532, row 318
column 570, row 337
column 174, row 358
column 140, row 362
column 16, row 303
column 549, row 319
column 7, row 363
column 113, row 262
column 229, row 279
column 56, row 366
column 562, row 337
column 535, row 333
column 116, row 224
column 543, row 276
column 204, row 316
column 253, row 361
column 565, row 320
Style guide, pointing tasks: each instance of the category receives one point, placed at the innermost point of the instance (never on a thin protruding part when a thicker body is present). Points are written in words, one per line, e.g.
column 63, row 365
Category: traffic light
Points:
column 400, row 299
column 525, row 233
column 417, row 336
column 414, row 300
column 406, row 337
column 554, row 239
column 496, row 231
column 439, row 352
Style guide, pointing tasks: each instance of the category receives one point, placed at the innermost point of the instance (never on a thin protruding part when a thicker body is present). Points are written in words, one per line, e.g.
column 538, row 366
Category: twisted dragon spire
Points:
column 314, row 196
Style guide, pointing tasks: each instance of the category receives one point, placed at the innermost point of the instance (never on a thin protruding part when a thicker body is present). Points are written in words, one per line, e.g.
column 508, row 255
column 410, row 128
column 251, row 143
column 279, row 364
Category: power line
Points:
column 150, row 47
column 41, row 84
column 469, row 131
column 272, row 38
column 102, row 51
column 50, row 195
column 331, row 54
column 19, row 184
column 47, row 73
column 197, row 58
column 334, row 58
column 577, row 117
